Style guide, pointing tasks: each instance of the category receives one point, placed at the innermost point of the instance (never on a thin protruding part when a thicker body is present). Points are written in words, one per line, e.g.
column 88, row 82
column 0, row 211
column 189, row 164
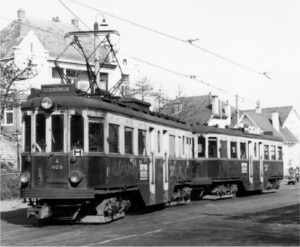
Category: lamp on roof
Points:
column 102, row 24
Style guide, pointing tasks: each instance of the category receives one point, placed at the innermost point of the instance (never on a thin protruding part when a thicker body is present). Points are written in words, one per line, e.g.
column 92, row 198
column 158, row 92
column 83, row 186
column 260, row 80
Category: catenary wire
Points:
column 175, row 38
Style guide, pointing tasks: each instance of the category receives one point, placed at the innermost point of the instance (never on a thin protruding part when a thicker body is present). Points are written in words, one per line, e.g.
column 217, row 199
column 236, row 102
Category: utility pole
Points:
column 237, row 111
column 96, row 55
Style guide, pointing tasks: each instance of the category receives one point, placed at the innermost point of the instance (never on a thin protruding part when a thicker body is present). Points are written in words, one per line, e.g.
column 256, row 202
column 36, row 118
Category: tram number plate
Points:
column 57, row 167
column 143, row 172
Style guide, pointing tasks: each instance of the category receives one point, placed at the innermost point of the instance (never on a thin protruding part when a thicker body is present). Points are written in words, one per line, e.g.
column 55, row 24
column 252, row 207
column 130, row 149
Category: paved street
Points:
column 256, row 220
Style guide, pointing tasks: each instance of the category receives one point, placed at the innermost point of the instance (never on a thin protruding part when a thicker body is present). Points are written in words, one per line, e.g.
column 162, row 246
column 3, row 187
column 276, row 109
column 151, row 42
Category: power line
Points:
column 192, row 77
column 177, row 39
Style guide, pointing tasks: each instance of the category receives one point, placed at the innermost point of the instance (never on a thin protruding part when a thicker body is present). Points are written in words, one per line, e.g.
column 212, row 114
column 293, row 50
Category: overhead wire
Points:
column 175, row 38
column 135, row 58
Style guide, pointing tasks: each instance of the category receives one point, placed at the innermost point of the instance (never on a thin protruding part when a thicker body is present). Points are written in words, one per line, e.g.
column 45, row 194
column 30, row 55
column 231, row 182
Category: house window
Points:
column 125, row 79
column 55, row 73
column 124, row 62
column 8, row 116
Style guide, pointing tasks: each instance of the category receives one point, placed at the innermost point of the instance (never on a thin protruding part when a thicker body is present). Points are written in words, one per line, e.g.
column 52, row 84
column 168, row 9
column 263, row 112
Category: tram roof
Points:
column 202, row 129
column 76, row 102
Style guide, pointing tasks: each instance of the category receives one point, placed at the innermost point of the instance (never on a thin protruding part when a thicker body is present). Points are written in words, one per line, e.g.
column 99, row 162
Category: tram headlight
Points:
column 47, row 103
column 24, row 178
column 75, row 178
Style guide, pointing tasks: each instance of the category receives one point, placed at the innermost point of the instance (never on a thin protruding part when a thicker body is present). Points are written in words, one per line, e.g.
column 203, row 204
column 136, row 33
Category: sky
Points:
column 242, row 47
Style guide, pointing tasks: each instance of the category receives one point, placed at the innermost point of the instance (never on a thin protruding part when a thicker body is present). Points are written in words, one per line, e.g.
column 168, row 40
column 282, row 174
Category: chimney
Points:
column 75, row 22
column 275, row 120
column 215, row 105
column 21, row 14
column 56, row 19
column 258, row 109
column 228, row 110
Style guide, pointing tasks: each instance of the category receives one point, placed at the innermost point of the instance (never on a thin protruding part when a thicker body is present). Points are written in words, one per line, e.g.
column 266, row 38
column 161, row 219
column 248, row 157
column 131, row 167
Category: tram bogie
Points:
column 91, row 159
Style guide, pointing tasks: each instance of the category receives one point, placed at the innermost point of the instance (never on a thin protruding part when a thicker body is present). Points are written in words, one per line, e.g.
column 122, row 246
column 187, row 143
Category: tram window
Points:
column 95, row 137
column 57, row 133
column 201, row 146
column 183, row 142
column 77, row 132
column 27, row 128
column 233, row 149
column 266, row 152
column 179, row 147
column 212, row 147
column 172, row 146
column 243, row 150
column 142, row 142
column 158, row 141
column 113, row 138
column 223, row 150
column 273, row 156
column 40, row 130
column 128, row 140
column 279, row 153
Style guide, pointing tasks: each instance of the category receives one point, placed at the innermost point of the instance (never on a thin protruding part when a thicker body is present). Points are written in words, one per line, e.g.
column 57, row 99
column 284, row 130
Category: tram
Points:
column 89, row 158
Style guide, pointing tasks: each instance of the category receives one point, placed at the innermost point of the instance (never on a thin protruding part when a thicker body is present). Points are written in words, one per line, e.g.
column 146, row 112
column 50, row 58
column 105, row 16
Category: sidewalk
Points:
column 9, row 205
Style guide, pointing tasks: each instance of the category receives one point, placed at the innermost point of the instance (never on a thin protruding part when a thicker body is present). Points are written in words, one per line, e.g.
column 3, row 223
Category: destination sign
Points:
column 56, row 88
column 249, row 129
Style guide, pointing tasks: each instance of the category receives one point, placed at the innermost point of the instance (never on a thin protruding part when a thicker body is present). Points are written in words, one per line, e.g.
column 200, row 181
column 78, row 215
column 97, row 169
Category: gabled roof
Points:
column 51, row 34
column 264, row 121
column 197, row 109
column 283, row 111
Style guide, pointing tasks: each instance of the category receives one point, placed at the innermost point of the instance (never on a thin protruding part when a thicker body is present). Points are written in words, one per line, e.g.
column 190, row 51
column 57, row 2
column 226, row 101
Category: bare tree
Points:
column 11, row 89
column 160, row 99
column 143, row 88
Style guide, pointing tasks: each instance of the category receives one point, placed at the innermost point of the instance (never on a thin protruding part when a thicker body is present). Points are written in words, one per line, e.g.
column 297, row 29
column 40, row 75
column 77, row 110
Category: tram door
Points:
column 58, row 170
column 261, row 166
column 250, row 150
column 156, row 168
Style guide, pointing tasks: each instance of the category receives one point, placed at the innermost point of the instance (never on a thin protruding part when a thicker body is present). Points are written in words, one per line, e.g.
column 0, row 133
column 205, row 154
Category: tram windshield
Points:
column 27, row 133
column 40, row 139
column 77, row 132
column 57, row 133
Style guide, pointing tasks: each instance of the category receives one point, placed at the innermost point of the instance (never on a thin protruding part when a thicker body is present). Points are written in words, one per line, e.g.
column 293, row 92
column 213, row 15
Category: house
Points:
column 204, row 109
column 278, row 121
column 44, row 43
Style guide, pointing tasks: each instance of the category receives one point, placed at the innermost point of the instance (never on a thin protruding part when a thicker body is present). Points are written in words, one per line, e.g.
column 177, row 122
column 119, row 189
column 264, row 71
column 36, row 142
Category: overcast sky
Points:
column 238, row 41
